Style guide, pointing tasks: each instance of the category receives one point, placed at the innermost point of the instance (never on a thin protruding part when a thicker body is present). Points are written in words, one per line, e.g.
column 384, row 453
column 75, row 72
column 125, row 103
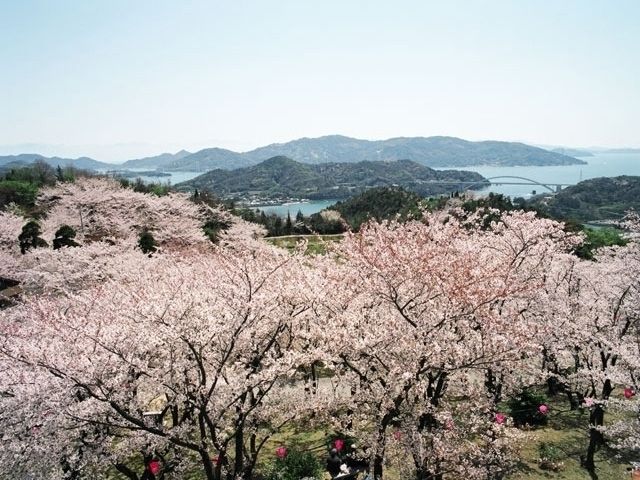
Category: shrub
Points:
column 524, row 408
column 30, row 237
column 64, row 237
column 21, row 193
column 147, row 243
column 213, row 226
column 294, row 466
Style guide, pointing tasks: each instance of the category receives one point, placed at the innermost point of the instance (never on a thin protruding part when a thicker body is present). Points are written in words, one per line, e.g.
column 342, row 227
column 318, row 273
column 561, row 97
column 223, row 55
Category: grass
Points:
column 316, row 244
column 567, row 431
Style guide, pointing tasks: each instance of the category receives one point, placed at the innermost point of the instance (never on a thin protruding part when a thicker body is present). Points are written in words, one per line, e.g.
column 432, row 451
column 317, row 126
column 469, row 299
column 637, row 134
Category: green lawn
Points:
column 316, row 244
column 567, row 433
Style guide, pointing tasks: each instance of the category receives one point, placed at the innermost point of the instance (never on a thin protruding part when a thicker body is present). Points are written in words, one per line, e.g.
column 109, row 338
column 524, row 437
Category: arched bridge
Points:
column 555, row 187
column 505, row 180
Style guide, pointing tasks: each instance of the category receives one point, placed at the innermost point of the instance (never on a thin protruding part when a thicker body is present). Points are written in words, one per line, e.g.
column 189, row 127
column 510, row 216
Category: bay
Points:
column 599, row 165
column 307, row 208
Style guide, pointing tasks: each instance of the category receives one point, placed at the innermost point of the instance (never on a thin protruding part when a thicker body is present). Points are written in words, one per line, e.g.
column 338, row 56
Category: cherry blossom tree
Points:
column 594, row 345
column 101, row 209
column 421, row 311
column 207, row 341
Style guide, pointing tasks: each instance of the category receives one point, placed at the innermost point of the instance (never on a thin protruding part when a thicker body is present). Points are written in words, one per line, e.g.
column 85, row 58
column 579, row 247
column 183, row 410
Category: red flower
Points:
column 339, row 444
column 216, row 459
column 154, row 467
column 397, row 434
column 629, row 393
column 281, row 452
column 500, row 418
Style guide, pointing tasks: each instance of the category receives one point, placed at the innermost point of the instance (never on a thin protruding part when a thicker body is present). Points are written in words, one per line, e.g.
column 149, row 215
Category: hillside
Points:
column 282, row 177
column 431, row 151
column 211, row 158
column 378, row 203
column 158, row 161
column 595, row 199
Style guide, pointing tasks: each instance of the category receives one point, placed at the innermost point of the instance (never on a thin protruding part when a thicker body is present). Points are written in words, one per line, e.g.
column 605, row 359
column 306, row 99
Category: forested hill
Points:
column 429, row 151
column 595, row 199
column 281, row 176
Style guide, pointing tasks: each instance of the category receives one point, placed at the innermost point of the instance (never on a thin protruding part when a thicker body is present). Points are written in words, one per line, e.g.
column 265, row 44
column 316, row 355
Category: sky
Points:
column 118, row 79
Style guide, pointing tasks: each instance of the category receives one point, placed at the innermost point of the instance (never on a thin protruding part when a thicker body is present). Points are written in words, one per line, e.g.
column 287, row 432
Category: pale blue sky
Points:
column 114, row 79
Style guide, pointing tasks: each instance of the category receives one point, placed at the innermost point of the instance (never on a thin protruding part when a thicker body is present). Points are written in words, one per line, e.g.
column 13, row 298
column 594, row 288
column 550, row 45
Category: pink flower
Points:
column 397, row 434
column 281, row 452
column 589, row 402
column 500, row 418
column 338, row 444
column 629, row 393
column 543, row 409
column 154, row 467
column 449, row 424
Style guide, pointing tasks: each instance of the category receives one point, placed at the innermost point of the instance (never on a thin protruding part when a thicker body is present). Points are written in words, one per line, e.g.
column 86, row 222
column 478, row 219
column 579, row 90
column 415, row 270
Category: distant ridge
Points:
column 157, row 161
column 83, row 163
column 429, row 151
column 438, row 152
column 281, row 176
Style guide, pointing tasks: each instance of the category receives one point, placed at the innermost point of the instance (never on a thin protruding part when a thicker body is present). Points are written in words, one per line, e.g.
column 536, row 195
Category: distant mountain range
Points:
column 430, row 151
column 280, row 177
column 157, row 161
column 83, row 163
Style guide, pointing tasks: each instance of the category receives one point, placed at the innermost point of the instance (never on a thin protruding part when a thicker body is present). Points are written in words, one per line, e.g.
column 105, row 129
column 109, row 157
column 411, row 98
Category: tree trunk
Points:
column 378, row 459
column 239, row 446
column 596, row 439
column 208, row 466
column 573, row 400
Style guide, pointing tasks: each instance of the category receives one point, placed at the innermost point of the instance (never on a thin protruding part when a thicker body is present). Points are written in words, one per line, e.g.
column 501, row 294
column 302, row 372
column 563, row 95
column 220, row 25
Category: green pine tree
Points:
column 30, row 237
column 64, row 237
column 147, row 243
column 288, row 226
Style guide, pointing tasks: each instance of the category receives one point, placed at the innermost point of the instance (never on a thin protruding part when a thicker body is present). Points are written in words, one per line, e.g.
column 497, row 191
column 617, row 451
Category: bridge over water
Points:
column 507, row 180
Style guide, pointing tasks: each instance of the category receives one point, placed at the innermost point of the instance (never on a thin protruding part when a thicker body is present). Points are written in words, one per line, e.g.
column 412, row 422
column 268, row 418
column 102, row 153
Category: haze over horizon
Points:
column 119, row 80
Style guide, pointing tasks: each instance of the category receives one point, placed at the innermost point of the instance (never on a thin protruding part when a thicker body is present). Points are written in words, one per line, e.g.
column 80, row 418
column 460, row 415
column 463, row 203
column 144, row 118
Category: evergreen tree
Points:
column 30, row 237
column 59, row 175
column 147, row 243
column 64, row 237
column 288, row 227
column 277, row 227
column 299, row 217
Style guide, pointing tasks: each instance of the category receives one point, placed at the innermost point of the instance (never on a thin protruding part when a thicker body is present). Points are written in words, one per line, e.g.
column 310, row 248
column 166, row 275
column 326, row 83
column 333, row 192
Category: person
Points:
column 333, row 463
